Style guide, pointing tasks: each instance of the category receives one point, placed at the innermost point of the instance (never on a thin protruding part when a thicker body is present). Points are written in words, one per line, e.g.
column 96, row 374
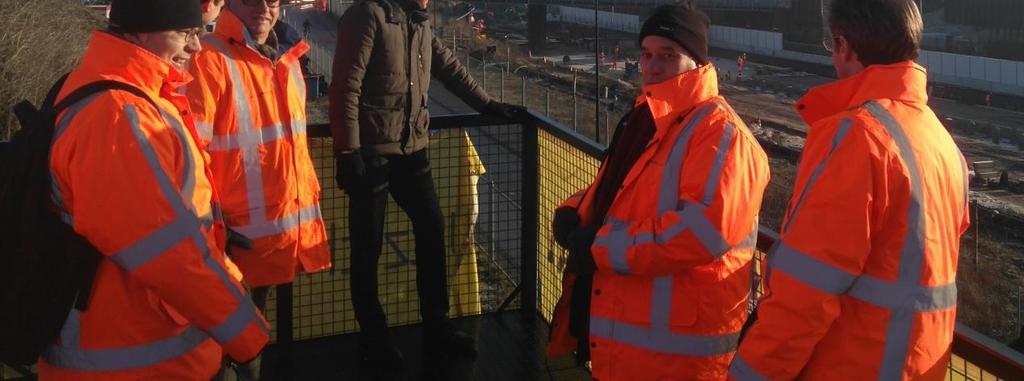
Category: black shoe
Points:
column 380, row 357
column 449, row 365
column 445, row 339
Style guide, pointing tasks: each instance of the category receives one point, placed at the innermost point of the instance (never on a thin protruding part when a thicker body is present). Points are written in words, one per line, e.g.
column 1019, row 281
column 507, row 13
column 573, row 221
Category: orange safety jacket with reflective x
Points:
column 674, row 255
column 130, row 179
column 862, row 284
column 251, row 114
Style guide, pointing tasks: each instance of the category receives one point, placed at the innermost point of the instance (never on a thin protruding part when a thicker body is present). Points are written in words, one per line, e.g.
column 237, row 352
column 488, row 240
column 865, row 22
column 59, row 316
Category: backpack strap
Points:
column 86, row 277
column 51, row 96
column 94, row 88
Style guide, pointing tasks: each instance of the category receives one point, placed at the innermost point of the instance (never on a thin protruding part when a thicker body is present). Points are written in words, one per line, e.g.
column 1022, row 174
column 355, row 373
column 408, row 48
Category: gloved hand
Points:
column 349, row 170
column 566, row 220
column 505, row 110
column 236, row 239
column 581, row 259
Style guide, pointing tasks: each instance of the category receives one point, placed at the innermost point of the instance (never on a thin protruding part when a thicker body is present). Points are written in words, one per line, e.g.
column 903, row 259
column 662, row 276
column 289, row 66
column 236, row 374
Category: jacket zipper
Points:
column 410, row 34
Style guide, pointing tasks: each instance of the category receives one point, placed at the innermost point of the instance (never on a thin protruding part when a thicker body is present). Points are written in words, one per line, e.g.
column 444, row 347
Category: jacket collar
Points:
column 289, row 41
column 110, row 55
column 904, row 81
column 230, row 26
column 672, row 99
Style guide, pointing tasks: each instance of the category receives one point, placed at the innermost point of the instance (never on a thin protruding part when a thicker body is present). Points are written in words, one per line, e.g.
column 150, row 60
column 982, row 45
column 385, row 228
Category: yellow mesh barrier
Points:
column 564, row 170
column 322, row 304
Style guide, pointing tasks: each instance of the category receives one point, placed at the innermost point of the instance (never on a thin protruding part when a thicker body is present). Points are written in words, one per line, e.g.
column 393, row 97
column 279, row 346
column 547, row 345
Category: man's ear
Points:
column 847, row 51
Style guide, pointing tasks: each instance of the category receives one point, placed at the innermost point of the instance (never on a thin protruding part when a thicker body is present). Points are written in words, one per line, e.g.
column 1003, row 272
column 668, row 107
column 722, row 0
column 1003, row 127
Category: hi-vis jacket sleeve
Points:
column 357, row 30
column 708, row 208
column 826, row 238
column 128, row 182
column 206, row 92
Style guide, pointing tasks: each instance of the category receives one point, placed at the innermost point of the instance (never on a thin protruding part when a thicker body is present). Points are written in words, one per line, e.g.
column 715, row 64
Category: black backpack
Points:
column 45, row 267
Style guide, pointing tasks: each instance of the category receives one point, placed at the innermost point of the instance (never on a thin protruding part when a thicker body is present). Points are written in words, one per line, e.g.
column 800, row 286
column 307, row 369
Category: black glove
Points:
column 581, row 260
column 236, row 239
column 349, row 170
column 566, row 220
column 505, row 110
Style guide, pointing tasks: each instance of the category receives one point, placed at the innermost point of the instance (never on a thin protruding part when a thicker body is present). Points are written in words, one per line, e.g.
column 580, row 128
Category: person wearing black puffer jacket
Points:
column 384, row 59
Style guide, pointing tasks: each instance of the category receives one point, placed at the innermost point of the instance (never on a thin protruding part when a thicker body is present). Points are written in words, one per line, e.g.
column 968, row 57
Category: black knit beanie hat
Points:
column 145, row 16
column 682, row 23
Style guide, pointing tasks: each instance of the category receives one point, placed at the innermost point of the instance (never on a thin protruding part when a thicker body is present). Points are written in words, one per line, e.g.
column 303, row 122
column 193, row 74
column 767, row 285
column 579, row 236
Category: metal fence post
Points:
column 284, row 328
column 607, row 129
column 524, row 90
column 492, row 224
column 530, row 189
column 547, row 101
column 575, row 125
column 977, row 234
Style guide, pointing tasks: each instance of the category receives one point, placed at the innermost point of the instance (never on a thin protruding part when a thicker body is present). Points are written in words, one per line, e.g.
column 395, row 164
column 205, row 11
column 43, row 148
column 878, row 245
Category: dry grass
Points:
column 40, row 40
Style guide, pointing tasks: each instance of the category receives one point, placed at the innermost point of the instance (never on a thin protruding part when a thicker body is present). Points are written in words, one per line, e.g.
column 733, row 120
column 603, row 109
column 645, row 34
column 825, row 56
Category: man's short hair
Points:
column 882, row 32
column 214, row 1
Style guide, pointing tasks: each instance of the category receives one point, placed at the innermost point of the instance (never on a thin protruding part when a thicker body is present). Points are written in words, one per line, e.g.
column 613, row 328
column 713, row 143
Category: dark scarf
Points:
column 269, row 48
column 634, row 132
column 416, row 14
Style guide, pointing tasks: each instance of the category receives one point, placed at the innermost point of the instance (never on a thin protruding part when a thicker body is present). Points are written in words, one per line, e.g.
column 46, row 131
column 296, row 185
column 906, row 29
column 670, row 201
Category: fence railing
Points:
column 547, row 163
column 499, row 182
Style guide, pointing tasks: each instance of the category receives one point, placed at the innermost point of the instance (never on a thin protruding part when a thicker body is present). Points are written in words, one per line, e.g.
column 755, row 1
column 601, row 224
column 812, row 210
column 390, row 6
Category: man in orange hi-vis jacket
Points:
column 667, row 230
column 129, row 177
column 249, row 102
column 862, row 284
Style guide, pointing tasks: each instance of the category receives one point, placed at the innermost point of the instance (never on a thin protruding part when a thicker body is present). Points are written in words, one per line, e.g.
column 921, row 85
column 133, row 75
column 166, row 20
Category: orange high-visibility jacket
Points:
column 251, row 114
column 130, row 179
column 862, row 285
column 674, row 256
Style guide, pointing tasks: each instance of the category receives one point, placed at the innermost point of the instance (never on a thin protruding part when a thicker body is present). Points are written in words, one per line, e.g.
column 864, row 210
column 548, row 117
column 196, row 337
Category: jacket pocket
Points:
column 165, row 309
column 380, row 124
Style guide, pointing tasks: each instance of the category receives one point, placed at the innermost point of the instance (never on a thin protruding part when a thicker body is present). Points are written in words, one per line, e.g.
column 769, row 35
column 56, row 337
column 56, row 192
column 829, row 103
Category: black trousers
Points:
column 407, row 178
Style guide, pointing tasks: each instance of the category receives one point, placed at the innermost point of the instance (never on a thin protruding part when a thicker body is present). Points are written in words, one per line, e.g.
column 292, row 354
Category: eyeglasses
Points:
column 829, row 42
column 189, row 34
column 256, row 3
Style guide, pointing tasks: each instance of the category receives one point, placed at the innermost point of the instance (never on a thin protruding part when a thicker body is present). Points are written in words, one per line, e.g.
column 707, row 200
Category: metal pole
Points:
column 977, row 234
column 284, row 327
column 529, row 229
column 524, row 91
column 575, row 126
column 607, row 129
column 494, row 227
column 597, row 74
column 547, row 101
column 508, row 59
column 501, row 95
